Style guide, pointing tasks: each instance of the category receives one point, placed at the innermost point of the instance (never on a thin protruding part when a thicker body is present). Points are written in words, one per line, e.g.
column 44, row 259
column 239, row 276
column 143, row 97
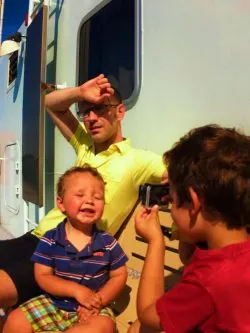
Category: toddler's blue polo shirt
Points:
column 89, row 267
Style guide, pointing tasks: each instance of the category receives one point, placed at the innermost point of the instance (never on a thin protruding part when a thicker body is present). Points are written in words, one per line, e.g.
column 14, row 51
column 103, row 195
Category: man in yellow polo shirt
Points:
column 100, row 144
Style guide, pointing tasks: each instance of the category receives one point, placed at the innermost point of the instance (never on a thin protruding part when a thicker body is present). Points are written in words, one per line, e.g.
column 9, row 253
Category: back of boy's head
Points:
column 215, row 163
column 76, row 170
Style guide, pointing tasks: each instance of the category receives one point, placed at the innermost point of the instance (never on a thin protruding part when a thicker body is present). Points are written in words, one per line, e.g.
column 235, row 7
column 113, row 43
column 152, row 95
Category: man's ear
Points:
column 59, row 204
column 120, row 111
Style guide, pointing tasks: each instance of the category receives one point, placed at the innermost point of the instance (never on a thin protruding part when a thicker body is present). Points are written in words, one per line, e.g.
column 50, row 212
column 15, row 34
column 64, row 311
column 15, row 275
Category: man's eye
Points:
column 86, row 112
column 99, row 107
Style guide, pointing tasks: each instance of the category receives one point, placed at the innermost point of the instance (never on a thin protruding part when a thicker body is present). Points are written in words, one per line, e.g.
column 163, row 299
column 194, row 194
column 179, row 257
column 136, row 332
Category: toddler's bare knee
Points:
column 110, row 326
column 102, row 324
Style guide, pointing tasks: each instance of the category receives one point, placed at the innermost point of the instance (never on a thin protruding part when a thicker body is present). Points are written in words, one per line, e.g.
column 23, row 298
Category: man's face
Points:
column 102, row 120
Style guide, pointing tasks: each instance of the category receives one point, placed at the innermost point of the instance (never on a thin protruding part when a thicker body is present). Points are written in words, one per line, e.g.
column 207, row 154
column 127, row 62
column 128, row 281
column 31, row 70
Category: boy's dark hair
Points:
column 84, row 169
column 215, row 162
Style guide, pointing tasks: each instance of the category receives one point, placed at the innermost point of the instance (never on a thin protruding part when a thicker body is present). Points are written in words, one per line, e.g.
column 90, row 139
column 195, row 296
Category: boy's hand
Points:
column 94, row 301
column 147, row 223
column 83, row 313
column 96, row 90
column 82, row 294
column 91, row 307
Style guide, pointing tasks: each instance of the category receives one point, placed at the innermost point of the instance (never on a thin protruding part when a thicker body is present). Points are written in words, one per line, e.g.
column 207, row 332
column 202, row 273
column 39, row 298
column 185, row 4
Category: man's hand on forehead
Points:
column 95, row 91
column 104, row 86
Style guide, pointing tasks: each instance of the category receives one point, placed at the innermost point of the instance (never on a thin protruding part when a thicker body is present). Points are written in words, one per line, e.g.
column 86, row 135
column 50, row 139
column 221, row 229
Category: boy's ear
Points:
column 59, row 203
column 195, row 204
column 120, row 111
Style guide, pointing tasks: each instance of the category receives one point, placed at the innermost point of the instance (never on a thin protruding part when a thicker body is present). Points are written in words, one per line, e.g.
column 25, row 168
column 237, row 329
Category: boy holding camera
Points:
column 209, row 176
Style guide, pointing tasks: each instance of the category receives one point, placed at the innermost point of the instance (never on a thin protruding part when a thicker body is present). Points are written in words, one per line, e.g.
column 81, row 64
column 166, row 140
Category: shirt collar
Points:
column 97, row 239
column 60, row 235
column 121, row 146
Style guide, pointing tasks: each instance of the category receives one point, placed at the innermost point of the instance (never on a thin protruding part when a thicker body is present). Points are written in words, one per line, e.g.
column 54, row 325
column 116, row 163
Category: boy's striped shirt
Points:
column 89, row 267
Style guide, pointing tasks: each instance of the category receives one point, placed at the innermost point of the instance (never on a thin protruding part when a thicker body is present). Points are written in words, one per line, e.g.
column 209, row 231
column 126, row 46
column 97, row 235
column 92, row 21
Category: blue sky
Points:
column 13, row 16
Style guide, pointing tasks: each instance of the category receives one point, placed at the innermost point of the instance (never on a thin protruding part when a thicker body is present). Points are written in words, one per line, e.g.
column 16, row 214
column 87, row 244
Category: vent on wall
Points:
column 13, row 60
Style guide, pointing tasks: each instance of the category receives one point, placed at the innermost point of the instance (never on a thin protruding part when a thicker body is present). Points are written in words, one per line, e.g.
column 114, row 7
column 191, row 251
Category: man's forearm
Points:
column 151, row 286
column 61, row 100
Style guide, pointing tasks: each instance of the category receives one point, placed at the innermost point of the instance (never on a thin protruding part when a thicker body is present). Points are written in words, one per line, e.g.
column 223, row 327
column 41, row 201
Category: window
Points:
column 109, row 44
column 13, row 60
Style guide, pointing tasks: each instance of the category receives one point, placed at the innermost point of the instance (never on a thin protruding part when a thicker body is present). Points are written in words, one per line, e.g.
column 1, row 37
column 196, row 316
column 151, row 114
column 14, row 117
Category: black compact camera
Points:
column 152, row 194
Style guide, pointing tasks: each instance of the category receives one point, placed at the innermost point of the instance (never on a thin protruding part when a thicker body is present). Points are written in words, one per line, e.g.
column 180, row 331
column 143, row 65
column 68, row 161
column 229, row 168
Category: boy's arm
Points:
column 151, row 286
column 57, row 286
column 58, row 102
column 156, row 310
column 115, row 284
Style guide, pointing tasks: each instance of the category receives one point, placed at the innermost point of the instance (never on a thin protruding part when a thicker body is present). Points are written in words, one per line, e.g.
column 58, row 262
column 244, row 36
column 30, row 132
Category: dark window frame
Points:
column 83, row 54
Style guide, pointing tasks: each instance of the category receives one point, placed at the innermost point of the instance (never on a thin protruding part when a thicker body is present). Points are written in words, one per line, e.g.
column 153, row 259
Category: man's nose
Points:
column 92, row 116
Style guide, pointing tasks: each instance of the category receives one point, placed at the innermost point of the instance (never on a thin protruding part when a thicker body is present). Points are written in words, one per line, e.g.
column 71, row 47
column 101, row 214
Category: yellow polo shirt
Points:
column 123, row 168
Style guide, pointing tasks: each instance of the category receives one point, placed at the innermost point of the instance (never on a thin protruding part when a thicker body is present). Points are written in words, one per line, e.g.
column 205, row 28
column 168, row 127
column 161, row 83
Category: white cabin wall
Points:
column 195, row 70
